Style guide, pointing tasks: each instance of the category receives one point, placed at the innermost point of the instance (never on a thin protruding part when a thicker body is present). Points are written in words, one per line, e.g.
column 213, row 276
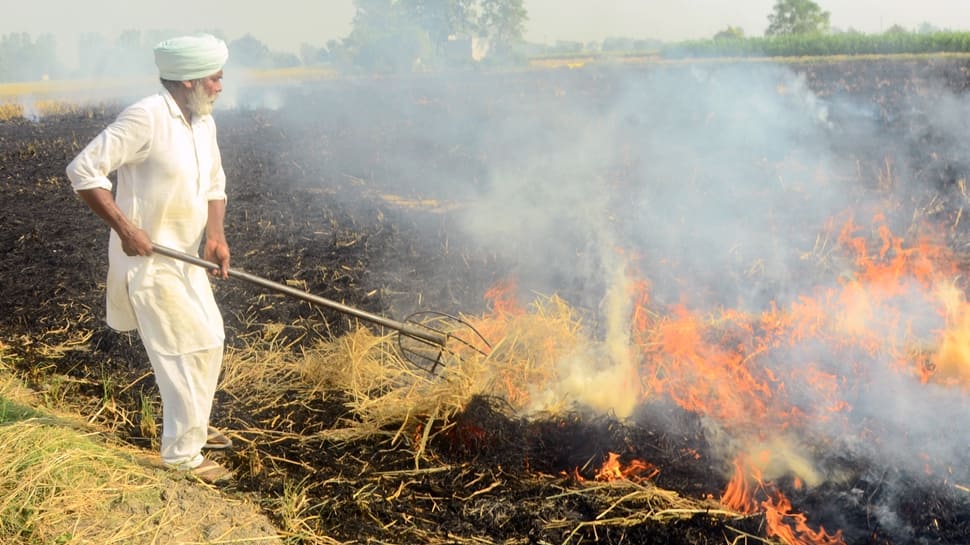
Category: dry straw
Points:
column 72, row 480
column 62, row 481
column 386, row 393
column 60, row 484
column 390, row 399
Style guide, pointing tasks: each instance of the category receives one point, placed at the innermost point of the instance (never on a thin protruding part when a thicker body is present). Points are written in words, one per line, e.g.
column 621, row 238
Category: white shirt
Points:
column 167, row 170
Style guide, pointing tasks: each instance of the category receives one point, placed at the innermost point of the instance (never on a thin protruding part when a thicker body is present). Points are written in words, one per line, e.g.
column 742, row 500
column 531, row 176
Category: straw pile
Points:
column 406, row 449
column 62, row 481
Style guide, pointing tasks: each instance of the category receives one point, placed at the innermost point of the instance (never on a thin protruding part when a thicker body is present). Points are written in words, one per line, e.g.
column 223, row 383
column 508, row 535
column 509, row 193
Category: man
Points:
column 170, row 191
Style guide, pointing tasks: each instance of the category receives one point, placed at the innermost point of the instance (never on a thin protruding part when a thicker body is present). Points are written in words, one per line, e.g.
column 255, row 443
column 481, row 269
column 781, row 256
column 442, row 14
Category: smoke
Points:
column 708, row 170
column 701, row 171
column 718, row 184
column 242, row 91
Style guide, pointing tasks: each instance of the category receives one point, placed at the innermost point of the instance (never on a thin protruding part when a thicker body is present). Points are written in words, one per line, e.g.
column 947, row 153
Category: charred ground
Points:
column 318, row 195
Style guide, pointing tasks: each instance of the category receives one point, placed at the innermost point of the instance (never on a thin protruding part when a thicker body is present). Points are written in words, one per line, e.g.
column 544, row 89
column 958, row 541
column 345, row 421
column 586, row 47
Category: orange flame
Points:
column 721, row 364
column 636, row 470
column 739, row 495
column 750, row 373
column 742, row 493
column 792, row 528
column 502, row 298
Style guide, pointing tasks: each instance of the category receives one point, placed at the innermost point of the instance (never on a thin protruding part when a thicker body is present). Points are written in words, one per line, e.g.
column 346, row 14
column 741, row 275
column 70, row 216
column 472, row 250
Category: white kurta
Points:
column 167, row 172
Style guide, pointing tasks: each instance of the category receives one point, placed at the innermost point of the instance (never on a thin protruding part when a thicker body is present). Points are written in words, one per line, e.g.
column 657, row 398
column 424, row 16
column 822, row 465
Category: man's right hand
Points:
column 135, row 241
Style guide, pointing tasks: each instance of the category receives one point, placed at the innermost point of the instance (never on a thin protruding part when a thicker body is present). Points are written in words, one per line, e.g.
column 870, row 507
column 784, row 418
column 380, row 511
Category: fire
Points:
column 502, row 298
column 760, row 378
column 792, row 528
column 950, row 364
column 704, row 374
column 737, row 367
column 742, row 495
column 636, row 470
column 740, row 492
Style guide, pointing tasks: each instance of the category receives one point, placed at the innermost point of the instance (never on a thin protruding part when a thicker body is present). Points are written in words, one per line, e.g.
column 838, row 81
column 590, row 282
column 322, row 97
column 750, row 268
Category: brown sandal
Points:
column 216, row 439
column 211, row 472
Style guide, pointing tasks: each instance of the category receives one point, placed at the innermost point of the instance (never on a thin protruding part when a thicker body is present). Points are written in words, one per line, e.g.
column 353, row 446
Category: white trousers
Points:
column 187, row 383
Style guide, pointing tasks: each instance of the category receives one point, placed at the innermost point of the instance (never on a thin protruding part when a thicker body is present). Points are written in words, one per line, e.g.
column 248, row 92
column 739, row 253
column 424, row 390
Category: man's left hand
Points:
column 218, row 252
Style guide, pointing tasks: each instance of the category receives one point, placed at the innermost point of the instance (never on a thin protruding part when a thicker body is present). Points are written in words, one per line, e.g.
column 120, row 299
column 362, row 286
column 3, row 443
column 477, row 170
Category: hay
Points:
column 527, row 349
column 62, row 481
column 626, row 503
column 291, row 391
column 61, row 485
column 55, row 484
column 386, row 393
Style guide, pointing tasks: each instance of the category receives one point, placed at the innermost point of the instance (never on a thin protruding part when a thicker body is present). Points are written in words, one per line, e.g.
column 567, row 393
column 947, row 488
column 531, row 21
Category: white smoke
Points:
column 721, row 178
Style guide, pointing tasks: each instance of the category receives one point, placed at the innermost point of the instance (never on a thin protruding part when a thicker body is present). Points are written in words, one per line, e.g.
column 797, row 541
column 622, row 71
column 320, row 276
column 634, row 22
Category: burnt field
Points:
column 785, row 248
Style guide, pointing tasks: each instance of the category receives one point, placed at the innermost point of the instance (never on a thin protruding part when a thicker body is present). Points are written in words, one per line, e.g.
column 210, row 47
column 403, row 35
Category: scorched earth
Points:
column 725, row 301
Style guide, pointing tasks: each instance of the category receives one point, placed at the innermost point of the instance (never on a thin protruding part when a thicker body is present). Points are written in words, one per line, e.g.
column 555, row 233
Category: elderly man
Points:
column 171, row 191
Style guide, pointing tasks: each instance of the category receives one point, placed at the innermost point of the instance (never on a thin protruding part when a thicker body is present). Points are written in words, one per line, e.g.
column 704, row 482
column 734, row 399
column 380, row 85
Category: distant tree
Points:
column 385, row 39
column 129, row 56
column 44, row 58
column 502, row 22
column 249, row 52
column 790, row 17
column 896, row 29
column 618, row 43
column 400, row 34
column 730, row 33
column 24, row 59
column 129, row 39
column 441, row 19
column 283, row 59
column 374, row 14
column 309, row 54
column 92, row 49
column 647, row 44
column 927, row 28
column 338, row 53
column 450, row 27
column 567, row 47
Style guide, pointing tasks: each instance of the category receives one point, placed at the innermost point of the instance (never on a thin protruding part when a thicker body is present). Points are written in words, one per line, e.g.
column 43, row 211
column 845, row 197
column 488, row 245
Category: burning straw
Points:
column 760, row 380
column 389, row 400
column 387, row 395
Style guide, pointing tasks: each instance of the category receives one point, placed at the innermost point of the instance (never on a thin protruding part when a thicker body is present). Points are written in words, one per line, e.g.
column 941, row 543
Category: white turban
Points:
column 190, row 57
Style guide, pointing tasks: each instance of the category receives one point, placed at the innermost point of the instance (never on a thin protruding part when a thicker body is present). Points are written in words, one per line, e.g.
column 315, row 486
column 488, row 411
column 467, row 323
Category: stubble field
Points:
column 732, row 195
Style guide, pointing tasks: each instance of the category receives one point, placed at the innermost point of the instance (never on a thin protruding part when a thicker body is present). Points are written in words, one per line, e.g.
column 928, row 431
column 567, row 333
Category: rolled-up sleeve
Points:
column 126, row 140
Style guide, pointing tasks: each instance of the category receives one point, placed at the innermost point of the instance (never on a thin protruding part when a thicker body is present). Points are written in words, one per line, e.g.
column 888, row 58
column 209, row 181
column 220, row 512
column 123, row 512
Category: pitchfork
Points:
column 424, row 343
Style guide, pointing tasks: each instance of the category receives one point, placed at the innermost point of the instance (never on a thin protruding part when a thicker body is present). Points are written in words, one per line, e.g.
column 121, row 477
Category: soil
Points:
column 324, row 191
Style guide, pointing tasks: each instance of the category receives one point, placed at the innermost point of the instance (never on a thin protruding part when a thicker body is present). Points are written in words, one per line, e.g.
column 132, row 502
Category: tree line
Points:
column 803, row 28
column 386, row 36
column 411, row 35
column 802, row 45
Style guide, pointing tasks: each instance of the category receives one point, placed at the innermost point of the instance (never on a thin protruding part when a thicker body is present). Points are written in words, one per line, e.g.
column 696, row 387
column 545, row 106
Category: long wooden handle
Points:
column 430, row 336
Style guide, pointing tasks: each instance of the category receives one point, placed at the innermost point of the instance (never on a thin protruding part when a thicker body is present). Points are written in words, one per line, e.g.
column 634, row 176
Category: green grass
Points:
column 11, row 411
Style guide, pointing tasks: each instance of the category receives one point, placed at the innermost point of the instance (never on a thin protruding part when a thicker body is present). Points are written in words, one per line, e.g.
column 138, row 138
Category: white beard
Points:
column 199, row 102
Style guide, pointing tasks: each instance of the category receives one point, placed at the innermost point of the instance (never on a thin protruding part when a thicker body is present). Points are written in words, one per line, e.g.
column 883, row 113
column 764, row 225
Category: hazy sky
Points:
column 284, row 24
